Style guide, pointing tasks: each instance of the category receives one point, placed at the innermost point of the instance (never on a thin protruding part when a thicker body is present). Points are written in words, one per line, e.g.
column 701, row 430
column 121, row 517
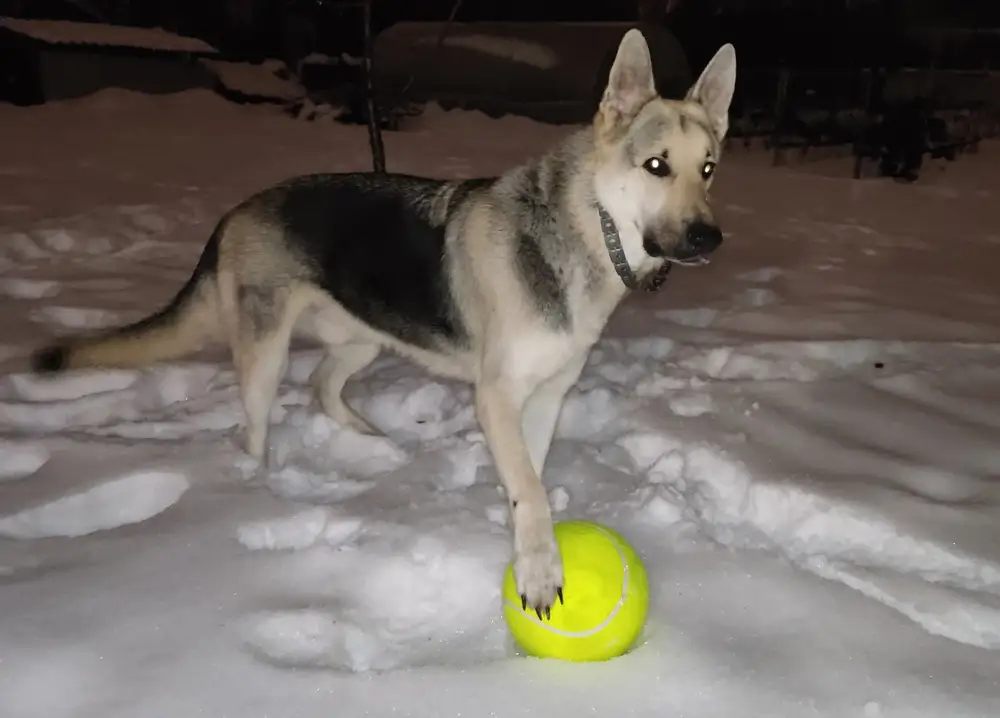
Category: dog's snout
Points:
column 702, row 237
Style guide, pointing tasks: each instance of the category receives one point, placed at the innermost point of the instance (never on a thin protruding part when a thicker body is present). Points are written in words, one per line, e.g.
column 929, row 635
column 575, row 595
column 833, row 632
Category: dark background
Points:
column 959, row 34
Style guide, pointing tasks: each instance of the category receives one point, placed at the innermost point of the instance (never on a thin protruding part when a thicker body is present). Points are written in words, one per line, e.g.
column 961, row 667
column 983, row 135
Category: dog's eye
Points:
column 706, row 170
column 657, row 166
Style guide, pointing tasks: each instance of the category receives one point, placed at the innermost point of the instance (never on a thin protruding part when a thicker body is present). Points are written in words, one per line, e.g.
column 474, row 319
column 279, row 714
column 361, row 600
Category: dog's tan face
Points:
column 658, row 157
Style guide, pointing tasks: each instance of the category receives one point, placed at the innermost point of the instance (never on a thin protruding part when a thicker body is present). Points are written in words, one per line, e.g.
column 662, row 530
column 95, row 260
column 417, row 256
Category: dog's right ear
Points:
column 630, row 83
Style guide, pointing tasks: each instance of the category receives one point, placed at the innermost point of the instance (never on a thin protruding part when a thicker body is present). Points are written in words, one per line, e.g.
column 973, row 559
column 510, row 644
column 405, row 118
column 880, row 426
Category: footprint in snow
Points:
column 123, row 403
column 21, row 459
column 298, row 531
column 756, row 297
column 96, row 506
column 856, row 544
column 689, row 404
column 762, row 275
column 78, row 399
column 698, row 318
column 75, row 317
column 448, row 615
column 68, row 387
column 28, row 288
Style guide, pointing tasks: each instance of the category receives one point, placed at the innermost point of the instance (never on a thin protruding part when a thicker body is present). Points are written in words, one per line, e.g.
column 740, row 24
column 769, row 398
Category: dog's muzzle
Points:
column 699, row 241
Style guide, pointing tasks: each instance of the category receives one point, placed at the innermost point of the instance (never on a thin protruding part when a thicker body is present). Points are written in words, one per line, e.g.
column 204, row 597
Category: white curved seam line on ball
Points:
column 608, row 619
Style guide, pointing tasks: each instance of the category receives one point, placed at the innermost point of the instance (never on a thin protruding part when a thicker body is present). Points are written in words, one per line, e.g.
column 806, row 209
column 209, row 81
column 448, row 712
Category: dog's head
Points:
column 657, row 157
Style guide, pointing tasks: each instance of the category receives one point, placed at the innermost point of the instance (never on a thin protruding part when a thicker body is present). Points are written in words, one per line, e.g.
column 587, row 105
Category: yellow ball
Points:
column 606, row 596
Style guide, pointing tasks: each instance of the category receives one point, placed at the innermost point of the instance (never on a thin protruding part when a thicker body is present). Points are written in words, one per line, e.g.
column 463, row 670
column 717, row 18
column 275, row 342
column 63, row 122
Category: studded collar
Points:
column 613, row 242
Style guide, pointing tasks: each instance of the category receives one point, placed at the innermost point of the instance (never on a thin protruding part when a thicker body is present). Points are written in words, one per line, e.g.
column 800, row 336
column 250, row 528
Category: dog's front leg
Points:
column 542, row 408
column 537, row 563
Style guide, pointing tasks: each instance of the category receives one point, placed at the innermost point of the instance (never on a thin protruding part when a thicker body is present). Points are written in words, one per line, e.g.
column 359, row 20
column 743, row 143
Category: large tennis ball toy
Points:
column 605, row 598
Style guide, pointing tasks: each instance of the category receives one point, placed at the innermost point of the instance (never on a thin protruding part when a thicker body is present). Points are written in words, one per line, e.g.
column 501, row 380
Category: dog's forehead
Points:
column 671, row 127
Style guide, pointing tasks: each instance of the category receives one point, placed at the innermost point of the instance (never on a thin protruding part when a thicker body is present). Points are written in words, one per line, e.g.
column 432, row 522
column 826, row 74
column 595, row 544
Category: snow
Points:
column 800, row 440
column 269, row 79
column 508, row 48
column 67, row 32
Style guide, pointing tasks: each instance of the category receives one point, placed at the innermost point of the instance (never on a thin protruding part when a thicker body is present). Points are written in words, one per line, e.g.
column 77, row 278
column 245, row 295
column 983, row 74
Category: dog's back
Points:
column 375, row 242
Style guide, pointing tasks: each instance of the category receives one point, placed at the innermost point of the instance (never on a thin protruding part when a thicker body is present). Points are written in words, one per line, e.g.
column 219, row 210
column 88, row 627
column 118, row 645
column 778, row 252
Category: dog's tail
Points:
column 182, row 327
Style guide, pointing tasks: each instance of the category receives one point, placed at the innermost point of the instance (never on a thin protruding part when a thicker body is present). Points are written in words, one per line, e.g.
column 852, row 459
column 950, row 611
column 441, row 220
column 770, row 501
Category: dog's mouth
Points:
column 653, row 280
column 696, row 261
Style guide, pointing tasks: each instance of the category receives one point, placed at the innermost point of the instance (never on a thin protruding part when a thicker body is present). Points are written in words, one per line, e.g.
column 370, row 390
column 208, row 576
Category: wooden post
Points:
column 374, row 124
column 864, row 133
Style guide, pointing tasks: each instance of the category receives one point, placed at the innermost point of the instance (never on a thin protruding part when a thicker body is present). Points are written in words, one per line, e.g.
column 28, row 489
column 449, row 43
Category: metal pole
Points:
column 374, row 124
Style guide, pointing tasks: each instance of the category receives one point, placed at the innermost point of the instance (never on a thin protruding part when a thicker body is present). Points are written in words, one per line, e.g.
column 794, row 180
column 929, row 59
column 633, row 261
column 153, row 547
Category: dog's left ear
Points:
column 714, row 89
column 630, row 82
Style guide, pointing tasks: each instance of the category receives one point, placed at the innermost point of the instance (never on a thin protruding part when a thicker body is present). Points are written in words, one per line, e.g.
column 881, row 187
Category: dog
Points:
column 503, row 282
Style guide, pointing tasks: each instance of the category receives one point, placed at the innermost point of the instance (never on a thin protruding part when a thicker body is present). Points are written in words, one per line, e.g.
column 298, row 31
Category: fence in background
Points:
column 804, row 108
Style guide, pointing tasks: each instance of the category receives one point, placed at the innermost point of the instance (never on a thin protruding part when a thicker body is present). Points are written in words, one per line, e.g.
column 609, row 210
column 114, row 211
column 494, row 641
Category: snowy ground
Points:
column 801, row 441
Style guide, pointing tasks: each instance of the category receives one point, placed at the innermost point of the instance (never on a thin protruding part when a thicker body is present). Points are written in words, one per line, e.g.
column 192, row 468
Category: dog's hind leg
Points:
column 266, row 318
column 541, row 411
column 341, row 363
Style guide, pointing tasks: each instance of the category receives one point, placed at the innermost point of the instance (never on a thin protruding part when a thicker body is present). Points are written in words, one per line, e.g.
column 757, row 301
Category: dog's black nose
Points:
column 702, row 237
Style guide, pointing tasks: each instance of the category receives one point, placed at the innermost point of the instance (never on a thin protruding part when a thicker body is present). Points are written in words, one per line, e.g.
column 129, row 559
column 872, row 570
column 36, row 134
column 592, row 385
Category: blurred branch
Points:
column 438, row 45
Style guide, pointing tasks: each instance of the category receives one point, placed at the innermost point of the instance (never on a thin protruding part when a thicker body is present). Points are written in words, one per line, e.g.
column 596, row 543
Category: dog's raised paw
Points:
column 538, row 574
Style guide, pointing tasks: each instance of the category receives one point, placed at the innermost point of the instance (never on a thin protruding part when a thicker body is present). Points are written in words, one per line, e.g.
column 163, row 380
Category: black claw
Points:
column 559, row 594
column 539, row 612
column 524, row 602
column 548, row 613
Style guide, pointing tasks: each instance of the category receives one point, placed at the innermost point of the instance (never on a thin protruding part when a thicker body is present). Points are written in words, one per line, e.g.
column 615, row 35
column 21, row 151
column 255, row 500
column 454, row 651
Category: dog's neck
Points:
column 615, row 247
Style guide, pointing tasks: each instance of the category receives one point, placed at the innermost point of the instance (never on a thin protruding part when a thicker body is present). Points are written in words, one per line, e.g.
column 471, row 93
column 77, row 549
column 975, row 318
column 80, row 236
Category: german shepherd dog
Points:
column 504, row 282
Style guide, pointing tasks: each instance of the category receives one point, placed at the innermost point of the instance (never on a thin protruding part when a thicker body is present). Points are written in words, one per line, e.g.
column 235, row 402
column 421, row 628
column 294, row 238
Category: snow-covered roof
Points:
column 261, row 80
column 65, row 32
